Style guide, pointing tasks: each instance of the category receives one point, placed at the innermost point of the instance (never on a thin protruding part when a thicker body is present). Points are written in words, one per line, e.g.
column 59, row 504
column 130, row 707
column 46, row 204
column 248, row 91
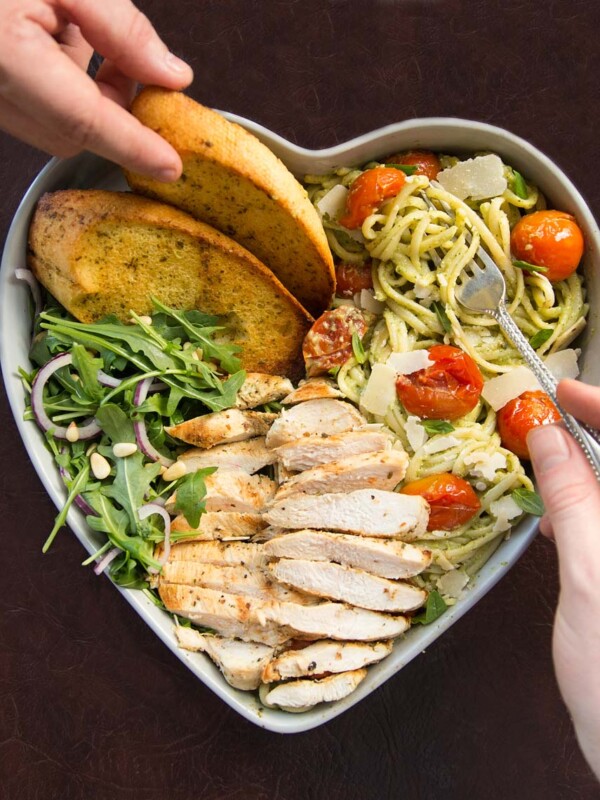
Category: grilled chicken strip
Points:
column 274, row 622
column 312, row 389
column 367, row 512
column 235, row 490
column 221, row 525
column 370, row 470
column 383, row 557
column 311, row 451
column 304, row 694
column 250, row 455
column 246, row 554
column 241, row 663
column 324, row 417
column 324, row 656
column 222, row 427
column 348, row 585
column 259, row 389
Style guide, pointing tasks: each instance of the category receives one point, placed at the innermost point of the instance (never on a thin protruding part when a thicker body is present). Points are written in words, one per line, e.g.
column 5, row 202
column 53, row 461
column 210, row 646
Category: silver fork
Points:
column 483, row 290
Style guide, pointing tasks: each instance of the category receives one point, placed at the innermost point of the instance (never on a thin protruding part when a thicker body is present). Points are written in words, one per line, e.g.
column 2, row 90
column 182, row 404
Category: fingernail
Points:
column 548, row 447
column 167, row 174
column 176, row 64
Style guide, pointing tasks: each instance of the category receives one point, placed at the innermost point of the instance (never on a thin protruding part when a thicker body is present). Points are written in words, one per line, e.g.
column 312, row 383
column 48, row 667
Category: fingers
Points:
column 581, row 400
column 122, row 34
column 73, row 44
column 546, row 527
column 114, row 85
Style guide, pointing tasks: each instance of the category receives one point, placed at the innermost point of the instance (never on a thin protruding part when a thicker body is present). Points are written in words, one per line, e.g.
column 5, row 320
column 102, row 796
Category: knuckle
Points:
column 567, row 496
column 80, row 130
column 140, row 31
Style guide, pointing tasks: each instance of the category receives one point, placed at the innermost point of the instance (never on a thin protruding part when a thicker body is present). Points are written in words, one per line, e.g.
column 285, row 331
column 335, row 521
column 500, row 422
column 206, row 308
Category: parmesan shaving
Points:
column 505, row 509
column 440, row 443
column 485, row 465
column 406, row 363
column 415, row 433
column 477, row 178
column 380, row 391
column 334, row 202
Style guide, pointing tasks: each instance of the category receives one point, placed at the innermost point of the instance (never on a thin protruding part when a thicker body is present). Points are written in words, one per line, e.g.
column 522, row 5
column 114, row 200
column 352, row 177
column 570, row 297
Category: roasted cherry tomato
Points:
column 367, row 193
column 550, row 239
column 519, row 416
column 451, row 499
column 329, row 342
column 351, row 278
column 449, row 389
column 426, row 162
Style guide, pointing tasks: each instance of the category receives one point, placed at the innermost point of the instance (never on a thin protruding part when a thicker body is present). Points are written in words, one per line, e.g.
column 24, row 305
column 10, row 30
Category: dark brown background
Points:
column 92, row 705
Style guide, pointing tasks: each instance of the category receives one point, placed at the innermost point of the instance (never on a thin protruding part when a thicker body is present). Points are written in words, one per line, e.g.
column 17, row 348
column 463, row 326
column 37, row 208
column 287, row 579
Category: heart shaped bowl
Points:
column 446, row 135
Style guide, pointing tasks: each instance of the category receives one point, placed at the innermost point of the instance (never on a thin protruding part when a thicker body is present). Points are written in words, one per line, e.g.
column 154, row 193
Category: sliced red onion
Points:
column 139, row 427
column 108, row 380
column 157, row 386
column 29, row 278
column 79, row 501
column 106, row 560
column 154, row 508
column 87, row 430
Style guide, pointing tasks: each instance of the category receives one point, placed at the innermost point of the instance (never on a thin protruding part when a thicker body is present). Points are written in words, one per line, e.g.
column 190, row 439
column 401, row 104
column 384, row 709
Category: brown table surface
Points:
column 92, row 705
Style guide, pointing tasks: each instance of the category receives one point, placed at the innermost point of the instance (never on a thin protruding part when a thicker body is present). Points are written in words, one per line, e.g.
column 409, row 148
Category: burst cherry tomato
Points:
column 426, row 162
column 367, row 193
column 329, row 342
column 520, row 415
column 550, row 239
column 449, row 389
column 351, row 278
column 451, row 499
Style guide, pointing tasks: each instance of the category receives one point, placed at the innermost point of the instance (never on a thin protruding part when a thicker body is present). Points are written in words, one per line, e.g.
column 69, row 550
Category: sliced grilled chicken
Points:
column 222, row 427
column 304, row 694
column 241, row 663
column 311, row 451
column 274, row 622
column 235, row 490
column 246, row 554
column 249, row 455
column 383, row 557
column 324, row 656
column 348, row 585
column 281, row 474
column 312, row 389
column 324, row 417
column 259, row 388
column 221, row 525
column 369, row 470
column 236, row 579
column 367, row 512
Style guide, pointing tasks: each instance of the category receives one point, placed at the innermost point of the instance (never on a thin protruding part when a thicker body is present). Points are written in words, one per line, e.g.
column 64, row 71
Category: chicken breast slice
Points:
column 367, row 512
column 221, row 525
column 324, row 656
column 311, row 451
column 274, row 622
column 383, row 557
column 323, row 417
column 370, row 470
column 249, row 455
column 222, row 427
column 312, row 389
column 246, row 554
column 259, row 388
column 235, row 490
column 242, row 663
column 304, row 694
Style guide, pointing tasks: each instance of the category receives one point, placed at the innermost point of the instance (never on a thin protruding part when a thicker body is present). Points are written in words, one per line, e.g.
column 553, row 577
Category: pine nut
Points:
column 100, row 466
column 145, row 319
column 72, row 434
column 124, row 449
column 175, row 471
column 198, row 353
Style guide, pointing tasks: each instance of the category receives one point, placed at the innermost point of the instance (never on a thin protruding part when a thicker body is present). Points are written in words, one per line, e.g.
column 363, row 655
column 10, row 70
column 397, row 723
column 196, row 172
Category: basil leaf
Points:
column 433, row 426
column 529, row 501
column 191, row 492
column 407, row 169
column 519, row 186
column 541, row 337
column 440, row 312
column 434, row 608
column 525, row 265
column 358, row 349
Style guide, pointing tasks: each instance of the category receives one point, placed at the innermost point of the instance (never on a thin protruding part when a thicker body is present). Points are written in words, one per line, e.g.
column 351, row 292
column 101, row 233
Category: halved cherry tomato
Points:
column 550, row 239
column 329, row 342
column 451, row 499
column 519, row 416
column 426, row 162
column 449, row 389
column 367, row 193
column 351, row 278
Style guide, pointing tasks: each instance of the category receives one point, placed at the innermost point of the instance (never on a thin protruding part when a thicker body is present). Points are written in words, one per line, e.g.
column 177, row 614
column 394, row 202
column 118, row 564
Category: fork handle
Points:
column 587, row 437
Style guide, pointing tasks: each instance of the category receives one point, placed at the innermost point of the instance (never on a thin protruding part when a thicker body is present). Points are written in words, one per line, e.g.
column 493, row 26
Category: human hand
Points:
column 571, row 496
column 48, row 100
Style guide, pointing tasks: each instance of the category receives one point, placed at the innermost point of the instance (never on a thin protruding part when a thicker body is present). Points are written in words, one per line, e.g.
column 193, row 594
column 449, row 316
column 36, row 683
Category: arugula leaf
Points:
column 87, row 368
column 131, row 483
column 191, row 492
column 519, row 186
column 525, row 265
column 358, row 349
column 115, row 423
column 407, row 169
column 433, row 426
column 77, row 486
column 529, row 501
column 440, row 312
column 434, row 608
column 126, row 572
column 541, row 337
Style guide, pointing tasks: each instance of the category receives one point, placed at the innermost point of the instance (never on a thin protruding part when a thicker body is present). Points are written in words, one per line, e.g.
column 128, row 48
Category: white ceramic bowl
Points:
column 446, row 135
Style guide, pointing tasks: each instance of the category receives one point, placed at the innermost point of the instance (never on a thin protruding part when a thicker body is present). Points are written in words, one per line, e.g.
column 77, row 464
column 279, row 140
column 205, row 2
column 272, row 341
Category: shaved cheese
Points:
column 415, row 433
column 422, row 292
column 334, row 202
column 563, row 364
column 367, row 300
column 477, row 178
column 380, row 391
column 486, row 465
column 440, row 443
column 452, row 583
column 405, row 363
column 504, row 510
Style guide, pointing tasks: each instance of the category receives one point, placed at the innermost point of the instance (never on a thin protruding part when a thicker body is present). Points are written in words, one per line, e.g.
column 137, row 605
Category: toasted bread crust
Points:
column 235, row 183
column 105, row 253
